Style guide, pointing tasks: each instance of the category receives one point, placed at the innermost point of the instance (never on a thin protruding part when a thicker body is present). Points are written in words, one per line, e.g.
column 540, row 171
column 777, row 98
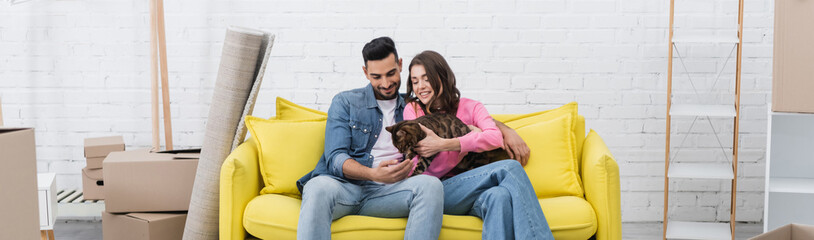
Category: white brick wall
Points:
column 75, row 69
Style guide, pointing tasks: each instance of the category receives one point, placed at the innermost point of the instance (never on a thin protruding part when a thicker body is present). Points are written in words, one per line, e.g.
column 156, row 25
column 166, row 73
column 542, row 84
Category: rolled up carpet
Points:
column 243, row 61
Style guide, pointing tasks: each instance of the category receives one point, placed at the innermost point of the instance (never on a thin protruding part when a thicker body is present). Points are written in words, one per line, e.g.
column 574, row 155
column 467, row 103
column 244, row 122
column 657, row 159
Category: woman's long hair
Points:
column 440, row 77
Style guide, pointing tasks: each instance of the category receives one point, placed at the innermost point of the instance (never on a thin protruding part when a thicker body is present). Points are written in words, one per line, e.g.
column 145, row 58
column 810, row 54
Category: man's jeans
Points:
column 325, row 199
column 501, row 194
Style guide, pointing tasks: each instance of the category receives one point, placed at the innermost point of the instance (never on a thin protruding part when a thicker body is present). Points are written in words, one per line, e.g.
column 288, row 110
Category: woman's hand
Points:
column 433, row 144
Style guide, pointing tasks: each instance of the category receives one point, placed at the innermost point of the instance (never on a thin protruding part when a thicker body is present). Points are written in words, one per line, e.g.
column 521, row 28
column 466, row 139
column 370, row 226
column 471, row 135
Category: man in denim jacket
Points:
column 361, row 172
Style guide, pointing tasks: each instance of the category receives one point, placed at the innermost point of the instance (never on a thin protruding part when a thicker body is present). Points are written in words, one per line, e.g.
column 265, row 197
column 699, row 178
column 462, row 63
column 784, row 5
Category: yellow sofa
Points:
column 244, row 211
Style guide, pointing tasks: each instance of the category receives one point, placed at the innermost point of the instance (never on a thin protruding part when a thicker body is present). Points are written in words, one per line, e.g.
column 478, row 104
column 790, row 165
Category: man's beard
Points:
column 377, row 92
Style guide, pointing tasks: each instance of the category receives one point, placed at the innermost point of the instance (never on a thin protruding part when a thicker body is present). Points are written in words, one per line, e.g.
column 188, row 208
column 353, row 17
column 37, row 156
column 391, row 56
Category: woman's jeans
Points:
column 501, row 194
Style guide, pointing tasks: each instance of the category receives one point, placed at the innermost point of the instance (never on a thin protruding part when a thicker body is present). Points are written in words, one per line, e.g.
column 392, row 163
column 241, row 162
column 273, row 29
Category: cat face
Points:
column 406, row 135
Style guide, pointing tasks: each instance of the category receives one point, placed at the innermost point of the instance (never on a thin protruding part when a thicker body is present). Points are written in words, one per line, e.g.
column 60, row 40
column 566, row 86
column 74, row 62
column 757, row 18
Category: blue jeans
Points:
column 501, row 194
column 326, row 198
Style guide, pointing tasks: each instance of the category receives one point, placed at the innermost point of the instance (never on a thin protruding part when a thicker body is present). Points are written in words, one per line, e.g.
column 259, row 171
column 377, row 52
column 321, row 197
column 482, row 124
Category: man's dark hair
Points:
column 378, row 49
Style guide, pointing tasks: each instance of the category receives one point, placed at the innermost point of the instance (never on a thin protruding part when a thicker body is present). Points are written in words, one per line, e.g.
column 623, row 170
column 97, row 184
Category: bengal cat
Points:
column 407, row 134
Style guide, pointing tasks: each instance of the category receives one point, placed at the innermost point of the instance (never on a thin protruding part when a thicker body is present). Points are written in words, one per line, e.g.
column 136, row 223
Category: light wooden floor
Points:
column 92, row 230
column 651, row 231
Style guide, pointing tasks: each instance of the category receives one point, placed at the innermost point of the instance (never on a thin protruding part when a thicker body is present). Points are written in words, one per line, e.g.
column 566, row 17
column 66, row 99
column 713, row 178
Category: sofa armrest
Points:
column 240, row 182
column 600, row 176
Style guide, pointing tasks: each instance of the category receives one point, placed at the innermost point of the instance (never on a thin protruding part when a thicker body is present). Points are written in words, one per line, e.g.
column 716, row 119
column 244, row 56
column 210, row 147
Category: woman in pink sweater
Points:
column 500, row 193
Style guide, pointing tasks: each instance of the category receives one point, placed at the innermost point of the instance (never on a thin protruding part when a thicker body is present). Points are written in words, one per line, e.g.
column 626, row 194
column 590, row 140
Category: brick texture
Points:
column 78, row 69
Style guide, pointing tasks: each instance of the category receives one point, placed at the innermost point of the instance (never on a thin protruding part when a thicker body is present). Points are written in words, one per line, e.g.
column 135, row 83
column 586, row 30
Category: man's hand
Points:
column 432, row 144
column 514, row 144
column 391, row 171
column 516, row 147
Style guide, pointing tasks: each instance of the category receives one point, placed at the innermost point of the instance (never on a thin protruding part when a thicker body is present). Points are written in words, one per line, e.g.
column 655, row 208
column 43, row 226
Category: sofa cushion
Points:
column 570, row 108
column 288, row 149
column 274, row 216
column 536, row 117
column 287, row 110
column 579, row 133
column 569, row 217
column 552, row 165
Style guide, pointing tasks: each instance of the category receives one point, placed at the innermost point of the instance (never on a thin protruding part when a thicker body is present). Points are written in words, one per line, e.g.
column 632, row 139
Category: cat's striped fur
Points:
column 407, row 134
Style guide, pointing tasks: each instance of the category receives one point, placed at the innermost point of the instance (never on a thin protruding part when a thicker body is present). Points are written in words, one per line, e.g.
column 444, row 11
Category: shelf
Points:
column 773, row 113
column 71, row 205
column 698, row 230
column 700, row 170
column 791, row 185
column 702, row 110
column 698, row 38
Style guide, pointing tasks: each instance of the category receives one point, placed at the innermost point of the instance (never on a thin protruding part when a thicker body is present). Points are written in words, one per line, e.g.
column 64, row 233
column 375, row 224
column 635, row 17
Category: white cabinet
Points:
column 789, row 189
column 47, row 189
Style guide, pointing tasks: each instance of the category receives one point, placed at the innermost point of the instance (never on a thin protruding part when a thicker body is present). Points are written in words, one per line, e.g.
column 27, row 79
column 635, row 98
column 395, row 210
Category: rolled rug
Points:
column 265, row 50
column 243, row 61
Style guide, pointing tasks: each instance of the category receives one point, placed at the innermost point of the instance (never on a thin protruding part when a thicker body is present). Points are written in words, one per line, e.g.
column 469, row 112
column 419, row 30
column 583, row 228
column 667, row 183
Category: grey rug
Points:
column 243, row 61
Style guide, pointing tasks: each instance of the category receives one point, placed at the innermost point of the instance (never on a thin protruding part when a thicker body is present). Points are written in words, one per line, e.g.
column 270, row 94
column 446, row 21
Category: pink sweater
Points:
column 471, row 112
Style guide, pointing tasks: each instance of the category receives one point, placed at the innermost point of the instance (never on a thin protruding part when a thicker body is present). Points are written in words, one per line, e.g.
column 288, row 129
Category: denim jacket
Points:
column 354, row 123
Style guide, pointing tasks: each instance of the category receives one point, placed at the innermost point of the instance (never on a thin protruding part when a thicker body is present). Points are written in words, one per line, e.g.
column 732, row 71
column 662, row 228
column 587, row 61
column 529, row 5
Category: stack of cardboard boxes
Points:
column 147, row 193
column 96, row 149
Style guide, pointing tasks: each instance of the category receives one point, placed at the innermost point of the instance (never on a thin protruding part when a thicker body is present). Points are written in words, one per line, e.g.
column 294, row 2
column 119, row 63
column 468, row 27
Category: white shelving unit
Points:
column 700, row 38
column 789, row 170
column 698, row 230
column 47, row 191
column 700, row 170
column 791, row 185
column 677, row 168
column 693, row 110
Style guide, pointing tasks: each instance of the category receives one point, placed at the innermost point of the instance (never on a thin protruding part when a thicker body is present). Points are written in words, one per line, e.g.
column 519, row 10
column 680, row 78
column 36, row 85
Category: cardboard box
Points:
column 95, row 162
column 101, row 146
column 93, row 184
column 1, row 112
column 793, row 75
column 788, row 232
column 140, row 181
column 18, row 184
column 143, row 226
